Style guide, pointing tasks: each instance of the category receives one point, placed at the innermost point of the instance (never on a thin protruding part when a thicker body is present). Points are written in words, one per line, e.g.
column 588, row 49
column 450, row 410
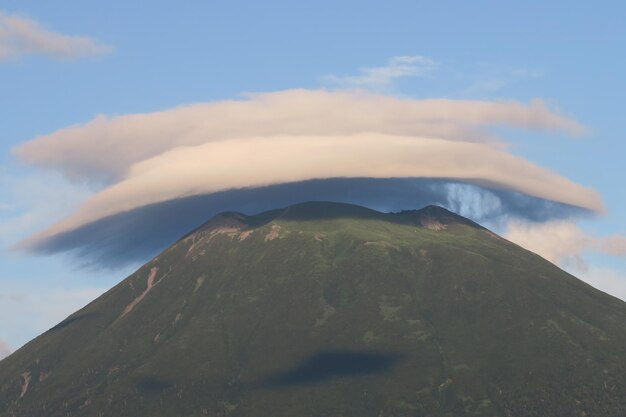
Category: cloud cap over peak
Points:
column 295, row 136
column 257, row 162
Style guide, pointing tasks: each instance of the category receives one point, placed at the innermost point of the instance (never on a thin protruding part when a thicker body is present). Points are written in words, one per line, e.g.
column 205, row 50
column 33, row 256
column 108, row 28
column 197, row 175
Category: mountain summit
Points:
column 327, row 310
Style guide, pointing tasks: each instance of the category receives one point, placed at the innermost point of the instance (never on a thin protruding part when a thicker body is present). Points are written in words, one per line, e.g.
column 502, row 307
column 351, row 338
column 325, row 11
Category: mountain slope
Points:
column 325, row 309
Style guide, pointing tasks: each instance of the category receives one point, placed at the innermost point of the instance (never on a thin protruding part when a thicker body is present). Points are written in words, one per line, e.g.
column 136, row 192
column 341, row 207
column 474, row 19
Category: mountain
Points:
column 332, row 310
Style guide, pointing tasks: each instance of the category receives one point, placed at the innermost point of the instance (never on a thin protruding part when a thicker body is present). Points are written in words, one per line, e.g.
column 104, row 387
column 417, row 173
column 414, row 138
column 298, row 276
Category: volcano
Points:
column 332, row 310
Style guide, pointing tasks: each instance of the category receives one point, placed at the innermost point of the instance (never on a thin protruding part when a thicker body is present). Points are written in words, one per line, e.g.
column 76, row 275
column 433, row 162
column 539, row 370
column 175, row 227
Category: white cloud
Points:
column 5, row 350
column 107, row 147
column 254, row 162
column 563, row 242
column 23, row 36
column 297, row 135
column 381, row 77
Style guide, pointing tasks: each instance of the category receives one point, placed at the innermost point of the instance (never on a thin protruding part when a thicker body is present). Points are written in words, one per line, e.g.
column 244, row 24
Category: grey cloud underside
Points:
column 139, row 234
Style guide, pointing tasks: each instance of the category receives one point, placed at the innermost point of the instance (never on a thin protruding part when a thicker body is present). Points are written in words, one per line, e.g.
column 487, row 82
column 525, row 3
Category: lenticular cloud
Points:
column 294, row 136
column 107, row 147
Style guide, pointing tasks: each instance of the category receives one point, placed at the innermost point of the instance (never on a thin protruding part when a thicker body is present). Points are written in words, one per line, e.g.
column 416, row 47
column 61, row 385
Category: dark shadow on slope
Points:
column 151, row 385
column 328, row 365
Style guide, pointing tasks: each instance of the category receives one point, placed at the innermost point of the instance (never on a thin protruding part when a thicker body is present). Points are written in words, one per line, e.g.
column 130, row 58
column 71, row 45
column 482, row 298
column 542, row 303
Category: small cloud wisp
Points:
column 23, row 36
column 5, row 350
column 376, row 78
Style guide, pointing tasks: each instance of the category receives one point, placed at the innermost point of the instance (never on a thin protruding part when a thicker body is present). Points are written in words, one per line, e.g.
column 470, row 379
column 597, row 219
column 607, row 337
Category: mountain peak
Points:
column 322, row 309
column 437, row 217
column 430, row 217
column 317, row 210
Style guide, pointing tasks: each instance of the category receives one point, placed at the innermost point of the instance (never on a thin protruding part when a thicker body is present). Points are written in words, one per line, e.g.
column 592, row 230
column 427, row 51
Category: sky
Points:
column 122, row 127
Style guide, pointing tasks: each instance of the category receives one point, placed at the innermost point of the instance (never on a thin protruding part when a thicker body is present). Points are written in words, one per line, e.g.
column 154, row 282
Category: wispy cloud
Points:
column 23, row 36
column 37, row 200
column 377, row 78
column 5, row 350
column 564, row 242
column 490, row 78
column 34, row 310
column 608, row 280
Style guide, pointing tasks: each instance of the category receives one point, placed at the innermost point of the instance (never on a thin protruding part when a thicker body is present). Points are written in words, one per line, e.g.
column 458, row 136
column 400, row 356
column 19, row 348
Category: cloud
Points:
column 22, row 36
column 382, row 77
column 300, row 136
column 35, row 310
column 5, row 350
column 608, row 280
column 257, row 162
column 563, row 242
column 105, row 148
column 489, row 77
column 36, row 200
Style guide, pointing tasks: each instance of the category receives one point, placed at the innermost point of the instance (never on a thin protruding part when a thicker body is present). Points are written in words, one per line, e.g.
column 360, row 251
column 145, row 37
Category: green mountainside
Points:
column 332, row 310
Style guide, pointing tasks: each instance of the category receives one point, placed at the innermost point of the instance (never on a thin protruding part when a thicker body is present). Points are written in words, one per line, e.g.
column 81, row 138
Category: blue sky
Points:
column 141, row 60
